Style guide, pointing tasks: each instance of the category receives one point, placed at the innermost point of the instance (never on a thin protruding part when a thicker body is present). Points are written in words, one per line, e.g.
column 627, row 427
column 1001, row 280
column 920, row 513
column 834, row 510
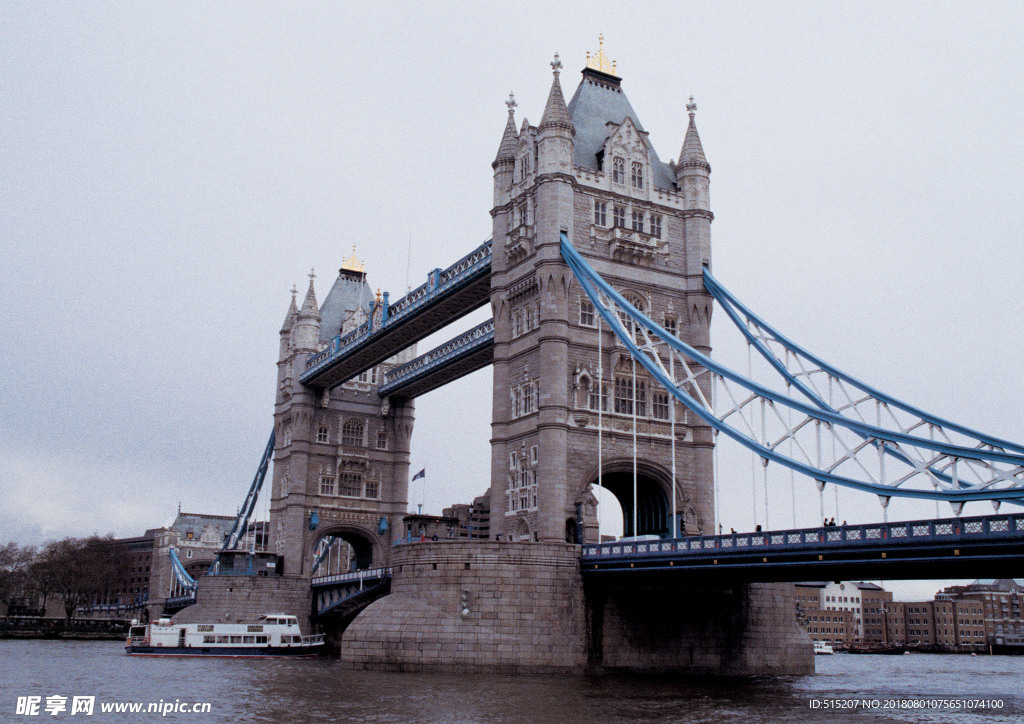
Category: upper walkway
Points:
column 986, row 546
column 446, row 296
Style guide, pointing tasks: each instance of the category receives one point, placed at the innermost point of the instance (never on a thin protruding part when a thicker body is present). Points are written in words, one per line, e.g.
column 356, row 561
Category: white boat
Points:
column 822, row 648
column 274, row 634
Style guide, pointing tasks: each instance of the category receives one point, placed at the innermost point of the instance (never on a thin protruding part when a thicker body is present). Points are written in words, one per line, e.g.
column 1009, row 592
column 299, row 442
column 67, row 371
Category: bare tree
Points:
column 14, row 573
column 84, row 571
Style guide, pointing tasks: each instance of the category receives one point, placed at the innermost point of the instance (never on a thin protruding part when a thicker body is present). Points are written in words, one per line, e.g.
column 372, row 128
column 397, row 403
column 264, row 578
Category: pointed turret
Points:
column 505, row 163
column 289, row 324
column 692, row 178
column 556, row 114
column 293, row 312
column 555, row 132
column 692, row 155
column 308, row 320
column 507, row 149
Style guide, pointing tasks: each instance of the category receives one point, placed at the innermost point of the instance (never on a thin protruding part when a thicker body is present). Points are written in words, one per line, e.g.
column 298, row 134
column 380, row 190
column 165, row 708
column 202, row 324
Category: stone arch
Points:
column 365, row 546
column 522, row 531
column 654, row 494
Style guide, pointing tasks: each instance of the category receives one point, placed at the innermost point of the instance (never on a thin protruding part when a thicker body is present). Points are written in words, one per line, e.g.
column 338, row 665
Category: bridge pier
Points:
column 522, row 608
column 242, row 599
column 737, row 630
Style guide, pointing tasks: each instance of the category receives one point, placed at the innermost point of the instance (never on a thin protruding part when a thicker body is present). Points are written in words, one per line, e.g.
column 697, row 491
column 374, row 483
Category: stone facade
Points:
column 475, row 606
column 590, row 170
column 242, row 599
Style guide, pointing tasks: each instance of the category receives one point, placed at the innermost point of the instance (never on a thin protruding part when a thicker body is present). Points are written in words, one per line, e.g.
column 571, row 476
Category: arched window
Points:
column 619, row 170
column 352, row 433
column 637, row 175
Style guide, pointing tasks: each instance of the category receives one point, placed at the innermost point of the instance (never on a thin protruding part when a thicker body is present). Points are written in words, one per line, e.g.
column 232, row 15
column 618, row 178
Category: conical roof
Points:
column 556, row 114
column 507, row 149
column 692, row 154
column 293, row 312
column 309, row 305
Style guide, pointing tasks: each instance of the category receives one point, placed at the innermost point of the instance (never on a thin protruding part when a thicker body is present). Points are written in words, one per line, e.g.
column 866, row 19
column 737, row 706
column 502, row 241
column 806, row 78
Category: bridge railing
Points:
column 370, row 574
column 437, row 285
column 839, row 536
column 481, row 334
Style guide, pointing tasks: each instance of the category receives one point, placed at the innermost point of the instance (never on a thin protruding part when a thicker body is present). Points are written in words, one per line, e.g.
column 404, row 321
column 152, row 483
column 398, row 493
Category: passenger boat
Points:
column 822, row 648
column 274, row 634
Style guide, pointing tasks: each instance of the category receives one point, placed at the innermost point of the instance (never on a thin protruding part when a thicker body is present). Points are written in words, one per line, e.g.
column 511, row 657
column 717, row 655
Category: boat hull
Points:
column 235, row 652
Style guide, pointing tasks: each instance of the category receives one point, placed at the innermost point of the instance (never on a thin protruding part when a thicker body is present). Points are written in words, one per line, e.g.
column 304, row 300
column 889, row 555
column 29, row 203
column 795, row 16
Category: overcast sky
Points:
column 170, row 170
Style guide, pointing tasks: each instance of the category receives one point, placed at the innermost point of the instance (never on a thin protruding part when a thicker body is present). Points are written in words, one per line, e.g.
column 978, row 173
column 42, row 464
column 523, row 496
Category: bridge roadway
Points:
column 447, row 296
column 979, row 547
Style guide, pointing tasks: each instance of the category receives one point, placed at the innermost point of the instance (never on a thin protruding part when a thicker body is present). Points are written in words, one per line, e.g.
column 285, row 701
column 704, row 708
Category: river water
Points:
column 321, row 690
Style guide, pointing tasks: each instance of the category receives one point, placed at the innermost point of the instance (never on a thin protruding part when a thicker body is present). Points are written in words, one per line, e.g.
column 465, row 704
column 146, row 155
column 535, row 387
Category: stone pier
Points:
column 521, row 608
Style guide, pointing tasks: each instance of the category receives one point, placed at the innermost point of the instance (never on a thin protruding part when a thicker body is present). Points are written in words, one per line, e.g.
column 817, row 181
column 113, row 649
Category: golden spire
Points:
column 352, row 264
column 599, row 61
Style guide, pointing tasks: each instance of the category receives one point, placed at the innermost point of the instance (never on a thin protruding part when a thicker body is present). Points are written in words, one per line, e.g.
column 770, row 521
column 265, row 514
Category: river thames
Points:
column 321, row 690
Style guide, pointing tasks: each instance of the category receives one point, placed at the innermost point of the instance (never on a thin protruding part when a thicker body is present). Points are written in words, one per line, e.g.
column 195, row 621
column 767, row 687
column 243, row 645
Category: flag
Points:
column 421, row 474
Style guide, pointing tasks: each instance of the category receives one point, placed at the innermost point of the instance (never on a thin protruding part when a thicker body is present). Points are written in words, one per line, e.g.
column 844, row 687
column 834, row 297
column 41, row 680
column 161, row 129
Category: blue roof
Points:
column 350, row 291
column 599, row 100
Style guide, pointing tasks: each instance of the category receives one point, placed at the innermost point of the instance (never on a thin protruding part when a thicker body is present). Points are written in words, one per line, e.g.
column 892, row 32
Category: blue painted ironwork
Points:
column 341, row 591
column 996, row 539
column 441, row 356
column 440, row 284
column 178, row 568
column 241, row 524
column 1006, row 484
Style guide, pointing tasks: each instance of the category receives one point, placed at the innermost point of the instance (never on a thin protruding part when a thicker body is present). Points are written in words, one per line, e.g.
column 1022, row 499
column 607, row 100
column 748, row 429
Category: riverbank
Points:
column 87, row 629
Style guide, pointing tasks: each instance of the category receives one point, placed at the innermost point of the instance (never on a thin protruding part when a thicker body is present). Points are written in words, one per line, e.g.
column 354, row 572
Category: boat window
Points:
column 236, row 639
column 222, row 639
column 262, row 639
column 249, row 640
column 254, row 628
column 209, row 639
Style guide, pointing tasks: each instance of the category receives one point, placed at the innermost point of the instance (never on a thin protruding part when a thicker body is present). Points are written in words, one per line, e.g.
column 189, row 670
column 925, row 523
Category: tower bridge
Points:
column 598, row 275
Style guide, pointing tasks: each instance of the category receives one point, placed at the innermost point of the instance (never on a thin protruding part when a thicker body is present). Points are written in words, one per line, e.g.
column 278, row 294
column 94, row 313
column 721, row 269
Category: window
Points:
column 619, row 170
column 655, row 226
column 321, row 434
column 352, row 433
column 517, row 324
column 382, row 439
column 641, row 397
column 372, row 489
column 600, row 216
column 326, row 485
column 524, row 166
column 529, row 320
column 660, row 403
column 623, row 395
column 351, row 484
column 619, row 215
column 533, row 455
column 586, row 312
column 637, row 175
column 671, row 325
column 638, row 221
column 520, row 214
column 513, row 459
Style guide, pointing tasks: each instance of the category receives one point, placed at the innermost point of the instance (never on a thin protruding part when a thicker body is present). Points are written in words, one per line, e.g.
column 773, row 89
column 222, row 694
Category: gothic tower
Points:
column 590, row 170
column 341, row 458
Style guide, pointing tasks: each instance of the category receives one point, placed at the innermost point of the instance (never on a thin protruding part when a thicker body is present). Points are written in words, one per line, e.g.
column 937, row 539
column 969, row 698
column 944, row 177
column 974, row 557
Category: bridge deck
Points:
column 987, row 546
column 455, row 358
column 447, row 296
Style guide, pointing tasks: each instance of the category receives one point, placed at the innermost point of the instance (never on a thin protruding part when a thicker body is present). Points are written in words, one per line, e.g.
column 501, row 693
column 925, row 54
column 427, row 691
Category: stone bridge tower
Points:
column 341, row 461
column 589, row 169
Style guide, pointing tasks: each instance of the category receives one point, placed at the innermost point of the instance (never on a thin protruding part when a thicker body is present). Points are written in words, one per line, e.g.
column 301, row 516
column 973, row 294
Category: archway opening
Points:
column 653, row 516
column 341, row 552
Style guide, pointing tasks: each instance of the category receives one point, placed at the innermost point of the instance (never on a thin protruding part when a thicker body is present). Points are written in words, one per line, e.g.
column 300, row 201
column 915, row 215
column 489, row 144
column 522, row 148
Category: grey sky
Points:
column 170, row 170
